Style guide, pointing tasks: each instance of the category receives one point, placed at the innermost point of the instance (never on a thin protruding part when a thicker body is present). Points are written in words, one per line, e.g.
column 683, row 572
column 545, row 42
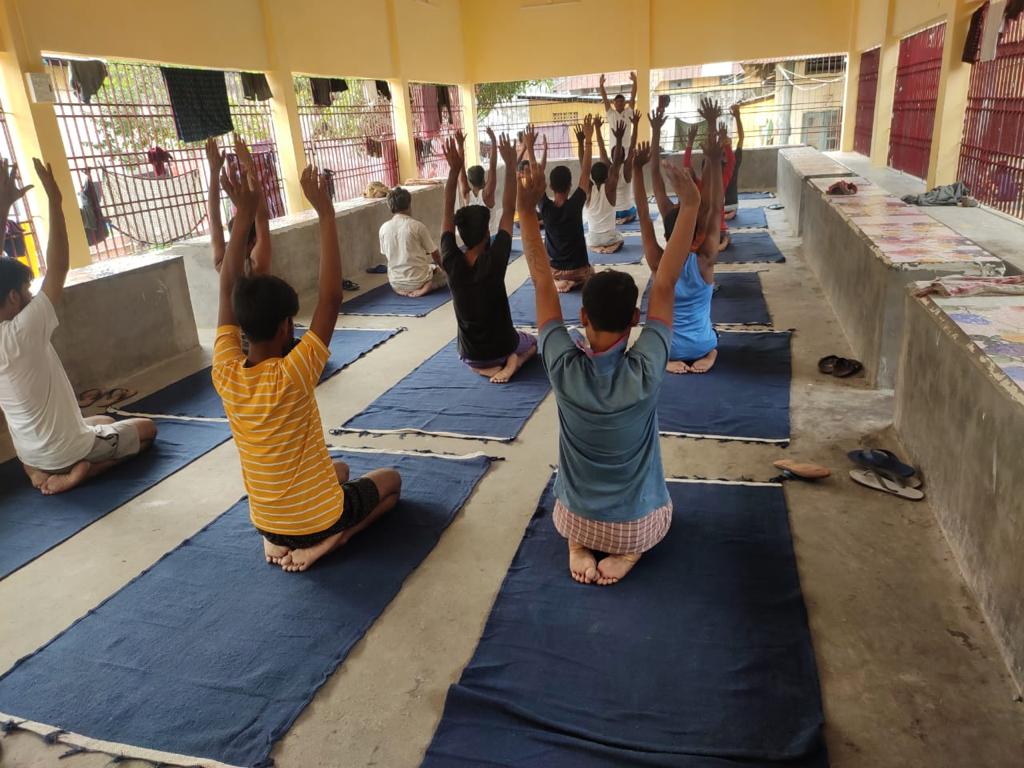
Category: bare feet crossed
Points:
column 274, row 552
column 582, row 564
column 614, row 568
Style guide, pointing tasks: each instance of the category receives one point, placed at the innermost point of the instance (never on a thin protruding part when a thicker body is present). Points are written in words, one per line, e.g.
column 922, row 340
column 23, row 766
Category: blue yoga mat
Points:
column 739, row 300
column 700, row 658
column 211, row 652
column 751, row 248
column 755, row 195
column 384, row 301
column 744, row 397
column 195, row 397
column 32, row 524
column 523, row 303
column 749, row 218
column 444, row 397
column 631, row 252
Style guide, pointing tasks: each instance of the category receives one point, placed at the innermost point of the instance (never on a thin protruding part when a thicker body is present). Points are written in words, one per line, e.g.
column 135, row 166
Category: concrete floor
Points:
column 909, row 673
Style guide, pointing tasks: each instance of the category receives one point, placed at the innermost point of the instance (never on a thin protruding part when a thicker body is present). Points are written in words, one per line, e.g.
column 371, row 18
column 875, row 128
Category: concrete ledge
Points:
column 295, row 243
column 962, row 420
column 120, row 317
column 795, row 166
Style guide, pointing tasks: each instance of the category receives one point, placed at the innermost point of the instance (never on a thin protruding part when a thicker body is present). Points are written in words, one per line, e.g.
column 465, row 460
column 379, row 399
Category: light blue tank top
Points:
column 693, row 335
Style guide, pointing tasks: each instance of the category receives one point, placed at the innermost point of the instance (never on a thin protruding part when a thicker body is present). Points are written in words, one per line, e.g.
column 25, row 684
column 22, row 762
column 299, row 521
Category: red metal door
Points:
column 992, row 149
column 867, row 88
column 913, row 108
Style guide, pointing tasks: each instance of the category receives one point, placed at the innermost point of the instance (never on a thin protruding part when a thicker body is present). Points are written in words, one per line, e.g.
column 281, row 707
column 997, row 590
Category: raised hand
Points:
column 618, row 154
column 632, row 77
column 460, row 137
column 214, row 157
column 663, row 101
column 10, row 192
column 578, row 133
column 531, row 187
column 506, row 149
column 588, row 127
column 248, row 193
column 692, row 135
column 710, row 110
column 734, row 110
column 635, row 119
column 543, row 152
column 641, row 155
column 494, row 141
column 683, row 184
column 598, row 122
column 529, row 137
column 453, row 154
column 244, row 155
column 619, row 132
column 657, row 119
column 601, row 81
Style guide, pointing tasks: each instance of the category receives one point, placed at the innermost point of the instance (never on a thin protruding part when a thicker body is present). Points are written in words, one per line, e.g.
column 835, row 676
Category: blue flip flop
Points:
column 881, row 460
column 380, row 269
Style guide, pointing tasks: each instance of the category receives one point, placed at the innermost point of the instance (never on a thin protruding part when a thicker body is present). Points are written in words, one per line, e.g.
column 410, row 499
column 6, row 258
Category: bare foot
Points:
column 60, row 483
column 301, row 559
column 564, row 286
column 607, row 248
column 677, row 366
column 37, row 476
column 274, row 552
column 489, row 372
column 511, row 366
column 582, row 564
column 705, row 363
column 614, row 568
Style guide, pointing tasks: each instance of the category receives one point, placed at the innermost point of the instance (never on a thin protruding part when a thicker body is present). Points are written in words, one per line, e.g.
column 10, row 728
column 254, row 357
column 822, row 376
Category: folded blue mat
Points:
column 700, row 658
column 755, row 195
column 744, row 397
column 195, row 397
column 738, row 301
column 749, row 218
column 212, row 653
column 751, row 248
column 631, row 252
column 444, row 397
column 32, row 524
column 384, row 301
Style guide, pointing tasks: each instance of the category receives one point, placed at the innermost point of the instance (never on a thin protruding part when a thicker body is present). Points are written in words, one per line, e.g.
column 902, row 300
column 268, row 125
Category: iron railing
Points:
column 20, row 239
column 354, row 138
column 992, row 149
column 436, row 114
column 129, row 203
column 867, row 91
column 914, row 103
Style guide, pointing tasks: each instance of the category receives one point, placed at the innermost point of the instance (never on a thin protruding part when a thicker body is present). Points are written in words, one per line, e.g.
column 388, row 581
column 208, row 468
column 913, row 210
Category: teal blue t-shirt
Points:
column 608, row 450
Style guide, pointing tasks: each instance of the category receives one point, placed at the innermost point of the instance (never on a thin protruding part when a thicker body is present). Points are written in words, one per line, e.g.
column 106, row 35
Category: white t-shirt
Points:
column 623, row 194
column 614, row 119
column 42, row 411
column 406, row 244
column 598, row 212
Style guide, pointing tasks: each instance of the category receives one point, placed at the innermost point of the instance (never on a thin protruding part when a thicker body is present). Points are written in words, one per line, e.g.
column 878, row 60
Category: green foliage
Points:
column 490, row 95
column 352, row 114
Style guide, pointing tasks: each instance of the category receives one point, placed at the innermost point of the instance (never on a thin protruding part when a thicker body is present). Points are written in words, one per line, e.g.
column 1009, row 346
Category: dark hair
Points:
column 473, row 223
column 252, row 232
column 476, row 176
column 619, row 96
column 262, row 303
column 523, row 165
column 560, row 179
column 13, row 276
column 399, row 199
column 599, row 172
column 670, row 221
column 610, row 300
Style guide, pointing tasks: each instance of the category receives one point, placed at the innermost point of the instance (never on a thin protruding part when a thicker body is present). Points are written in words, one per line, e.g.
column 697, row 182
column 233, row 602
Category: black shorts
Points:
column 361, row 498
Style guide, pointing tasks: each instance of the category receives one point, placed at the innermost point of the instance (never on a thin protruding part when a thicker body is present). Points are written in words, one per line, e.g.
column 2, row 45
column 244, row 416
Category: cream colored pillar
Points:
column 887, row 64
column 284, row 109
column 950, row 109
column 850, row 100
column 467, row 96
column 37, row 134
column 642, row 56
column 404, row 134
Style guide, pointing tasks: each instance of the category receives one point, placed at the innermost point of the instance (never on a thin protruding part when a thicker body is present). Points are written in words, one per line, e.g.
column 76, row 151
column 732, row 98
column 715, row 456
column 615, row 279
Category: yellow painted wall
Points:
column 429, row 38
column 563, row 111
column 870, row 24
column 909, row 17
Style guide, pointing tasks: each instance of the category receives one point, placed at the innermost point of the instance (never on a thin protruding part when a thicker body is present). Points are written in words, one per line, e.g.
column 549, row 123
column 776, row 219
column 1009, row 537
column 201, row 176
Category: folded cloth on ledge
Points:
column 966, row 285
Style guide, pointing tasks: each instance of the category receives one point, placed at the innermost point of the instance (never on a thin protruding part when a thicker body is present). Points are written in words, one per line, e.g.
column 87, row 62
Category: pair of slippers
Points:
column 882, row 470
column 843, row 188
column 100, row 398
column 840, row 367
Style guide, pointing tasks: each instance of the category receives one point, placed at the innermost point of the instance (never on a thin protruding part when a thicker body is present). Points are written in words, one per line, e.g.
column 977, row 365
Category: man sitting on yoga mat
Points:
column 710, row 111
column 610, row 489
column 732, row 197
column 488, row 342
column 599, row 213
column 301, row 502
column 476, row 186
column 563, row 217
column 413, row 260
column 694, row 340
column 57, row 447
column 257, row 259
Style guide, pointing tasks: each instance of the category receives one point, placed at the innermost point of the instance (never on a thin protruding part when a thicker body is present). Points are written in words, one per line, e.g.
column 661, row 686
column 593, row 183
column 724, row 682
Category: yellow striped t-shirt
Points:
column 293, row 488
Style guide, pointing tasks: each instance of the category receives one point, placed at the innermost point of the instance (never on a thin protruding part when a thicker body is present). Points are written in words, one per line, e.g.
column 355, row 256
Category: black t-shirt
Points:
column 731, row 194
column 481, row 303
column 563, row 231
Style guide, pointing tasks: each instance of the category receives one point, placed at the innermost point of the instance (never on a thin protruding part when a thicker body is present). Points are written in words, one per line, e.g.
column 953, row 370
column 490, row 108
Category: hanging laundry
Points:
column 199, row 101
column 136, row 206
column 255, row 86
column 96, row 229
column 14, row 240
column 383, row 89
column 1014, row 9
column 973, row 42
column 324, row 88
column 159, row 158
column 444, row 103
column 87, row 77
column 994, row 20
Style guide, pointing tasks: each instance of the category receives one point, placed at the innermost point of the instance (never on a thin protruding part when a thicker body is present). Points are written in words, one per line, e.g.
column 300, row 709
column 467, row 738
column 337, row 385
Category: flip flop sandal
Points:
column 878, row 482
column 380, row 269
column 114, row 396
column 802, row 470
column 775, row 207
column 880, row 459
column 845, row 368
column 348, row 285
column 88, row 397
column 827, row 364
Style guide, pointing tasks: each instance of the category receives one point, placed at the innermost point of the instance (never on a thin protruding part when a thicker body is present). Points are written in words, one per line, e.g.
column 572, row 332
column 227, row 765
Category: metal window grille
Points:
column 791, row 101
column 354, row 138
column 992, row 149
column 107, row 142
column 867, row 90
column 913, row 108
column 433, row 120
column 20, row 240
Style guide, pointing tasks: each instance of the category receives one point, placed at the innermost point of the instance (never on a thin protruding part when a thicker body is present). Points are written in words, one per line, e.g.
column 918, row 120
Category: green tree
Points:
column 490, row 95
